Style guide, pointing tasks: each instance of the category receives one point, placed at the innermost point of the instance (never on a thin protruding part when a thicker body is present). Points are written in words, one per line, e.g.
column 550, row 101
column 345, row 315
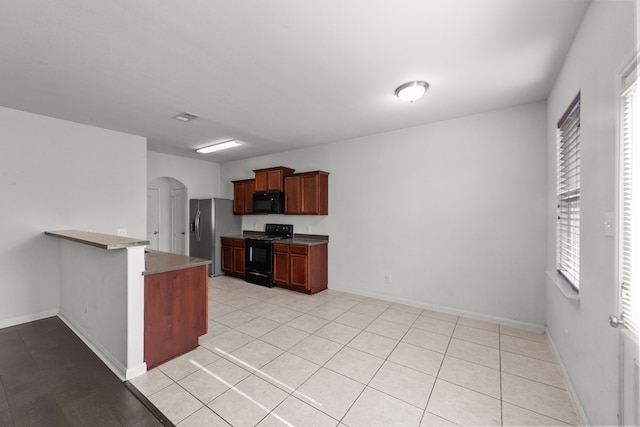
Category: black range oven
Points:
column 259, row 253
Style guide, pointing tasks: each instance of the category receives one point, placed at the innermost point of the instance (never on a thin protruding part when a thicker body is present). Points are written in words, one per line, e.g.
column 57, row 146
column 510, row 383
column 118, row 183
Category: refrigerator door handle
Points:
column 198, row 229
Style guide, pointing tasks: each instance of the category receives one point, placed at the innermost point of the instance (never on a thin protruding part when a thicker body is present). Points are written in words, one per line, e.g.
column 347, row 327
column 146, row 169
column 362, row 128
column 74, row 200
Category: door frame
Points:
column 157, row 211
column 185, row 225
column 628, row 340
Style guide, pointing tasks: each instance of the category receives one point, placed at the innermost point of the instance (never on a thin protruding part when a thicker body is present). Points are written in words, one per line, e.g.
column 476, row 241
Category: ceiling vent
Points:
column 186, row 117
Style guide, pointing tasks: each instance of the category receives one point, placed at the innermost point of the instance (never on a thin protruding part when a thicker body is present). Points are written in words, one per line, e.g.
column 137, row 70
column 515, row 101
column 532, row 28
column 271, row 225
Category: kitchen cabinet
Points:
column 307, row 193
column 243, row 196
column 300, row 267
column 271, row 179
column 280, row 264
column 238, row 257
column 227, row 255
column 175, row 312
column 233, row 256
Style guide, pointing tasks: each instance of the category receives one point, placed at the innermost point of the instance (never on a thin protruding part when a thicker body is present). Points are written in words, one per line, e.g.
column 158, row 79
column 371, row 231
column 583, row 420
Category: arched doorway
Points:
column 167, row 220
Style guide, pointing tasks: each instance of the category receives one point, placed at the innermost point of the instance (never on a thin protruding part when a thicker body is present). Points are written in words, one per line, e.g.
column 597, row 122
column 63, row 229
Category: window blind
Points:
column 568, row 228
column 629, row 205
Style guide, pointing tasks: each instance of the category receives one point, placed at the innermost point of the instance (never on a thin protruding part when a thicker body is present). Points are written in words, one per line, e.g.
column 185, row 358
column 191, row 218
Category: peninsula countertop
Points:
column 98, row 240
column 160, row 262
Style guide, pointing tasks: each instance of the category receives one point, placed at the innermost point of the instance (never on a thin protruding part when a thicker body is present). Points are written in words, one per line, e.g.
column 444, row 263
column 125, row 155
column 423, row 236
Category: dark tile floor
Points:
column 49, row 377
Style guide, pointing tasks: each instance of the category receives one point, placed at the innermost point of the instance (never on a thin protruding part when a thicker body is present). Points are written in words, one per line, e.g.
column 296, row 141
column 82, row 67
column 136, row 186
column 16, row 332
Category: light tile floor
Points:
column 273, row 357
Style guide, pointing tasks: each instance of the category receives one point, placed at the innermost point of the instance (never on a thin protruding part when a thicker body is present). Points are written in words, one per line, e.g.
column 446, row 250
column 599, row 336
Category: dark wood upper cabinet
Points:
column 249, row 189
column 307, row 193
column 292, row 195
column 271, row 179
column 243, row 196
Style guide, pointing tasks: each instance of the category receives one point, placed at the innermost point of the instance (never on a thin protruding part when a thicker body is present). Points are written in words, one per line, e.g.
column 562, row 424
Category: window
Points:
column 629, row 202
column 568, row 228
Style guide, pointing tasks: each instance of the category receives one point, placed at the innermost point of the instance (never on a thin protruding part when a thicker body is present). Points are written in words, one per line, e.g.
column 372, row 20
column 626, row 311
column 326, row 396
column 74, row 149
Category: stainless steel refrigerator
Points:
column 208, row 220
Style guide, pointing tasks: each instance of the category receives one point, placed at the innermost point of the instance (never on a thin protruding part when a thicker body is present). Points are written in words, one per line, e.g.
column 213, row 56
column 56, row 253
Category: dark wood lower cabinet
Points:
column 301, row 267
column 299, row 271
column 227, row 258
column 233, row 256
column 238, row 260
column 280, row 264
column 297, row 267
column 175, row 313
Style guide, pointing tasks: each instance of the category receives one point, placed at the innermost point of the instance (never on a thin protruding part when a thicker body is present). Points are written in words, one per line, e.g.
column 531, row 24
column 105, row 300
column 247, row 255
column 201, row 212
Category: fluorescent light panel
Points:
column 186, row 116
column 218, row 147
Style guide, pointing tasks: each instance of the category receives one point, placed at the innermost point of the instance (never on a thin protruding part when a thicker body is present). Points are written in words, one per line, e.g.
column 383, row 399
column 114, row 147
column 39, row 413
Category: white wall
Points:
column 586, row 344
column 102, row 301
column 54, row 175
column 454, row 212
column 201, row 178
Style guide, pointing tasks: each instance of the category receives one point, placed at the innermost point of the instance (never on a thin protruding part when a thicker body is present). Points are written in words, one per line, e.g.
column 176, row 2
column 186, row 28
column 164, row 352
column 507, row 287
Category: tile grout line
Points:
column 377, row 370
column 343, row 346
column 292, row 393
column 438, row 374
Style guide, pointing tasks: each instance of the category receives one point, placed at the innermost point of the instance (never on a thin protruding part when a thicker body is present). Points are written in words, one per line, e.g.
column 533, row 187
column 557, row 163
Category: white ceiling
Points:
column 276, row 74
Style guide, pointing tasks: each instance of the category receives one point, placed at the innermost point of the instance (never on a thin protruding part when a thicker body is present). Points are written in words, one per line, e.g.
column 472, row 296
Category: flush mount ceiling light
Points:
column 412, row 91
column 218, row 147
column 185, row 116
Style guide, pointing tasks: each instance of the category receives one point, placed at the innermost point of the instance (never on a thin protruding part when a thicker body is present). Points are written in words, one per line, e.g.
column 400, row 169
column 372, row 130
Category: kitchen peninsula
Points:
column 133, row 308
column 175, row 305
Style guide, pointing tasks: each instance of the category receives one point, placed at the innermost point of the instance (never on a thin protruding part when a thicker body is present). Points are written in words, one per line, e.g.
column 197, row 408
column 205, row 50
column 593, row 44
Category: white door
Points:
column 153, row 218
column 179, row 220
column 627, row 320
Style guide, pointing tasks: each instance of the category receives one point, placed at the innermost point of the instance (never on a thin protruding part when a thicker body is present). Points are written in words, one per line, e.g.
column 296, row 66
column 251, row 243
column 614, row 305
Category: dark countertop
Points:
column 304, row 241
column 298, row 239
column 160, row 262
column 236, row 236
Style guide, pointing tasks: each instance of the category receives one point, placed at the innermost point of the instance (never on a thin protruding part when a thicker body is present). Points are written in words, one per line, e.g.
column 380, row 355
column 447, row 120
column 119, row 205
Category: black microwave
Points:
column 268, row 203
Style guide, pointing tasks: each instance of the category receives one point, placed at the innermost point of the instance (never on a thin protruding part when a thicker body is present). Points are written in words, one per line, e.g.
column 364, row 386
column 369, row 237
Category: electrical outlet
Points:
column 387, row 279
column 86, row 307
column 609, row 224
column 122, row 231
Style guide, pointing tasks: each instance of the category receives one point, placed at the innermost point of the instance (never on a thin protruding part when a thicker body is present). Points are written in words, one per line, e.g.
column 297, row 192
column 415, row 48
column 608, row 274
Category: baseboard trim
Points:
column 137, row 371
column 535, row 327
column 112, row 363
column 567, row 380
column 29, row 318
